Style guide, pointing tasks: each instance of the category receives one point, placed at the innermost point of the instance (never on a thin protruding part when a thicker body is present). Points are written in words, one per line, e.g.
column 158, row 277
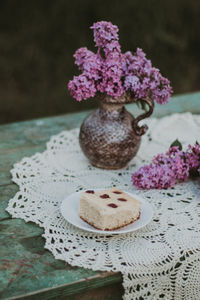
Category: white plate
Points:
column 69, row 210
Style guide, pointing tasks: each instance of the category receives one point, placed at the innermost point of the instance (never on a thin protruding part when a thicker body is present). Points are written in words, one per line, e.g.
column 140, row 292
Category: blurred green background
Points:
column 39, row 38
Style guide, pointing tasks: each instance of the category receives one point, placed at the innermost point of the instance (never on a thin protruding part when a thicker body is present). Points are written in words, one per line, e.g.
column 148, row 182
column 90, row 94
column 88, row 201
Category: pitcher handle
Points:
column 142, row 130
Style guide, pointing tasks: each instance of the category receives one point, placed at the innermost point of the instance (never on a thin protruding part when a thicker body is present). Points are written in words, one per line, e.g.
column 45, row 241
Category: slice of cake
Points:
column 108, row 209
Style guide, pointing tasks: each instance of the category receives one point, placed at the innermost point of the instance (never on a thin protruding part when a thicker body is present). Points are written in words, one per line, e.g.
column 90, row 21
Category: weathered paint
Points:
column 6, row 192
column 27, row 269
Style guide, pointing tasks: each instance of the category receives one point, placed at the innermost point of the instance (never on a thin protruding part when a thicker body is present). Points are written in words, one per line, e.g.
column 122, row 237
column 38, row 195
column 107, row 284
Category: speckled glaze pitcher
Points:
column 110, row 136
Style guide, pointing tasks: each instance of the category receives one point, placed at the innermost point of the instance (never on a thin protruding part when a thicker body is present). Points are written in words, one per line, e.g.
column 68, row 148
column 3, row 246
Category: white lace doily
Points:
column 160, row 261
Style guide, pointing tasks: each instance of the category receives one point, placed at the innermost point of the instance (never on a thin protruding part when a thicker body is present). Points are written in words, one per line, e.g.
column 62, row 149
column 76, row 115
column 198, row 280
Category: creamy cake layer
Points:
column 108, row 209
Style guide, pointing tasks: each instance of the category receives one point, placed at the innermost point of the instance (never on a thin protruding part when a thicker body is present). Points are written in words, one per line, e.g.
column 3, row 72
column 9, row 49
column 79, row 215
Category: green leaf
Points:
column 138, row 103
column 176, row 143
column 142, row 105
column 197, row 143
column 194, row 173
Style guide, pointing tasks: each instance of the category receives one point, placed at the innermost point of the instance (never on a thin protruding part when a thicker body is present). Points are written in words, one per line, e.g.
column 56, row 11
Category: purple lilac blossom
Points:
column 153, row 177
column 111, row 83
column 81, row 87
column 104, row 33
column 82, row 56
column 114, row 73
column 150, row 83
column 89, row 63
column 167, row 169
column 177, row 161
column 193, row 156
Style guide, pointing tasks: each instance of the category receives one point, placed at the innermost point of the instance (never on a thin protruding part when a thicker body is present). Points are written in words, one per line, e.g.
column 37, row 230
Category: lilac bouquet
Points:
column 165, row 170
column 113, row 73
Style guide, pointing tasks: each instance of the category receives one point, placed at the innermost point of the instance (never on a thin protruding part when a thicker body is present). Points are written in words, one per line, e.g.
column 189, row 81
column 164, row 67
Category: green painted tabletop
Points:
column 27, row 269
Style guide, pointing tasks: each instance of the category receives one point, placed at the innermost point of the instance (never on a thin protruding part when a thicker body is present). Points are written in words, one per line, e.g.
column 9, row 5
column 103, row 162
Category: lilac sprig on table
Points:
column 113, row 73
column 167, row 169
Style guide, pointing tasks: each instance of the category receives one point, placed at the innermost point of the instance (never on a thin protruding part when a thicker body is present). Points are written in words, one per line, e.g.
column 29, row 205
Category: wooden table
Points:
column 27, row 269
